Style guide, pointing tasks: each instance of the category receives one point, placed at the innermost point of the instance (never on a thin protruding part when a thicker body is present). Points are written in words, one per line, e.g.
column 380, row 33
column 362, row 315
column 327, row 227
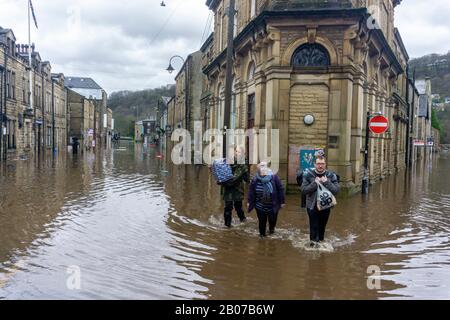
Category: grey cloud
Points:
column 127, row 44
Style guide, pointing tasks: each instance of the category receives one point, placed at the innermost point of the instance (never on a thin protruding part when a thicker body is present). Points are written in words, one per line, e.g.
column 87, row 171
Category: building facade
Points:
column 89, row 89
column 82, row 119
column 332, row 60
column 30, row 125
column 422, row 127
column 189, row 82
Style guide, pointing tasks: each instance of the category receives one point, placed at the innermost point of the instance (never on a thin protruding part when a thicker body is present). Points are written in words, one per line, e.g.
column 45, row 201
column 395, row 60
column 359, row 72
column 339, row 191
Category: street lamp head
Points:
column 170, row 69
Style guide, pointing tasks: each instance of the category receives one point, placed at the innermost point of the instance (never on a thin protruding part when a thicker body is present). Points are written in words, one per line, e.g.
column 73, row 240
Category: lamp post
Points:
column 170, row 68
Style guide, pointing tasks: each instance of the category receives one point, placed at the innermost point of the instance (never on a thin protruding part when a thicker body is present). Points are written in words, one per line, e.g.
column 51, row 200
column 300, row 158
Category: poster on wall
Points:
column 301, row 158
column 307, row 159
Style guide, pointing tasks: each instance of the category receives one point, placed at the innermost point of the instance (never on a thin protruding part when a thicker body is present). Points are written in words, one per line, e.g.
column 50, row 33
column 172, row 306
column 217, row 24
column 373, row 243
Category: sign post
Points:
column 377, row 124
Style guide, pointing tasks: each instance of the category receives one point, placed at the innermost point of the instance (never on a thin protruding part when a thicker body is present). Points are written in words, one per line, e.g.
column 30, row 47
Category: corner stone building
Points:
column 335, row 60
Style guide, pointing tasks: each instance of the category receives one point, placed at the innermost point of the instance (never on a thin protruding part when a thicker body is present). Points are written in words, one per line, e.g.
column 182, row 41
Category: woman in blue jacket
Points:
column 266, row 195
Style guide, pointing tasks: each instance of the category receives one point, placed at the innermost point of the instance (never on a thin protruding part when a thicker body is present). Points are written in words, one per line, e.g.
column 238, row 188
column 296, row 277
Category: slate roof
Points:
column 81, row 83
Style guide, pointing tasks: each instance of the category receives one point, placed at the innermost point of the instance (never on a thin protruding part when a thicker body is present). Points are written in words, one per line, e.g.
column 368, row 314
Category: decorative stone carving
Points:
column 311, row 55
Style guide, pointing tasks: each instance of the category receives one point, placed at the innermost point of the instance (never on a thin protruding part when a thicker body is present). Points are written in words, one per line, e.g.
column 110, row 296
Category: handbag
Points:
column 222, row 171
column 325, row 199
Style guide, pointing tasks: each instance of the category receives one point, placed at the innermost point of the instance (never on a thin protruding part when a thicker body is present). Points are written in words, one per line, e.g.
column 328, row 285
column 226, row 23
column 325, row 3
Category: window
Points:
column 11, row 134
column 48, row 102
column 311, row 55
column 49, row 136
column 28, row 135
column 24, row 92
column 13, row 84
column 251, row 71
column 38, row 95
column 251, row 111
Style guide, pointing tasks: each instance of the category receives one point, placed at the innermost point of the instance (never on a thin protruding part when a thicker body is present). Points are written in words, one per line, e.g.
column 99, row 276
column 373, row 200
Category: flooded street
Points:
column 138, row 228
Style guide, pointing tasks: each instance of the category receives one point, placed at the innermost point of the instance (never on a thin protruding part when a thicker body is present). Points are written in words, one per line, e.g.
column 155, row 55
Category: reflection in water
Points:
column 141, row 228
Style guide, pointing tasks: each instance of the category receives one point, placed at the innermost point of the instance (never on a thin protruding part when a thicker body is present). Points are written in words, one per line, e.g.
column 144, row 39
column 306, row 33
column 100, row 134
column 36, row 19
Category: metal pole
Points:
column 29, row 57
column 229, row 73
column 365, row 181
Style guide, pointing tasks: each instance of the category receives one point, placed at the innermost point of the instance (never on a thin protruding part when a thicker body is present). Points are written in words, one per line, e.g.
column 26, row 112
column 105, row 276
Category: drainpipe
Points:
column 53, row 116
column 43, row 115
column 186, row 92
column 3, row 107
column 407, row 157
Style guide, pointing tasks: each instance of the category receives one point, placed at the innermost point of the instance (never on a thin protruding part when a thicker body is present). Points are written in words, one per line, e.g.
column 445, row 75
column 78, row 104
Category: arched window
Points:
column 311, row 55
column 251, row 71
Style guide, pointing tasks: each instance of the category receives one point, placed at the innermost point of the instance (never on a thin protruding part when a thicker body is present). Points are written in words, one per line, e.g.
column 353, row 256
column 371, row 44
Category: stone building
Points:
column 422, row 127
column 88, row 88
column 29, row 127
column 332, row 60
column 207, row 51
column 82, row 119
column 189, row 81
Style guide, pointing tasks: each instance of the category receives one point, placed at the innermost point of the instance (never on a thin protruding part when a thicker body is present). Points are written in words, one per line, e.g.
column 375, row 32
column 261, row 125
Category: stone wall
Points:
column 308, row 99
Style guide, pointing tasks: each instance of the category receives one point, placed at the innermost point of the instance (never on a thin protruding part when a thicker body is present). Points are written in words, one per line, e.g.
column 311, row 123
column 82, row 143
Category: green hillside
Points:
column 127, row 105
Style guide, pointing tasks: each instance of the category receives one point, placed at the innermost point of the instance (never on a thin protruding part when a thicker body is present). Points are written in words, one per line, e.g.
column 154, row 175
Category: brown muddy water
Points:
column 134, row 227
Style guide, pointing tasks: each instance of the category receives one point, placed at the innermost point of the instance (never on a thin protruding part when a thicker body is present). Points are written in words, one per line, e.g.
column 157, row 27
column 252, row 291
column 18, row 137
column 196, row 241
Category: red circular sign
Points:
column 378, row 124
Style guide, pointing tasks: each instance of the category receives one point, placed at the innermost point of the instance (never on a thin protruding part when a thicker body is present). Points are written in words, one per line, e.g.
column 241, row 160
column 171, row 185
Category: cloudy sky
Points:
column 126, row 45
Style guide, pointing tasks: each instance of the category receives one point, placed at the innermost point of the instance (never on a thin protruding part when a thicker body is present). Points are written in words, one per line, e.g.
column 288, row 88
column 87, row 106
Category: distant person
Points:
column 311, row 178
column 233, row 190
column 266, row 195
column 75, row 145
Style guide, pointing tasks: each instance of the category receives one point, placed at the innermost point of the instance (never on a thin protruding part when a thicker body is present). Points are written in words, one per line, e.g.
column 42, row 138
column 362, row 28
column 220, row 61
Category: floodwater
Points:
column 125, row 225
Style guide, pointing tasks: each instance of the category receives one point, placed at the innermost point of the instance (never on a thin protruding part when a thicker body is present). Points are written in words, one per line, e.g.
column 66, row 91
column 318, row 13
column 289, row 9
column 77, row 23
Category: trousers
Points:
column 317, row 224
column 228, row 211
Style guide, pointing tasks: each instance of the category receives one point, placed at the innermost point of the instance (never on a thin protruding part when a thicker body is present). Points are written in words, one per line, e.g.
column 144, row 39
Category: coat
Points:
column 278, row 197
column 233, row 190
column 309, row 186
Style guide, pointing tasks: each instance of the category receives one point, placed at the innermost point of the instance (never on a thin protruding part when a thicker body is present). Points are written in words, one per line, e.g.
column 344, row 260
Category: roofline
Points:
column 188, row 58
column 207, row 42
column 401, row 43
column 212, row 4
column 260, row 20
column 76, row 77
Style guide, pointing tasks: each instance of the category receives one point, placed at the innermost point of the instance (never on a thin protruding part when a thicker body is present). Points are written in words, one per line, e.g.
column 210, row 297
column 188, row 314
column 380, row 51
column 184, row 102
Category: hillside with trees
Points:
column 128, row 106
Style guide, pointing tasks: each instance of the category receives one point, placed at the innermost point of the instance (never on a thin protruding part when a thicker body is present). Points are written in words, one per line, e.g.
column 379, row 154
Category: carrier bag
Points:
column 222, row 170
column 325, row 199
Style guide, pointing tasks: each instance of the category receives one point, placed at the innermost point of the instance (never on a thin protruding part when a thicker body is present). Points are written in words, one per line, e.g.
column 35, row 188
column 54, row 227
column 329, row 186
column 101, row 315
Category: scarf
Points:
column 267, row 183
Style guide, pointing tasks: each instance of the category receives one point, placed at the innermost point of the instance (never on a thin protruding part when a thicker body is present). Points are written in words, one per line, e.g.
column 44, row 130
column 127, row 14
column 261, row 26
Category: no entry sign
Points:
column 378, row 124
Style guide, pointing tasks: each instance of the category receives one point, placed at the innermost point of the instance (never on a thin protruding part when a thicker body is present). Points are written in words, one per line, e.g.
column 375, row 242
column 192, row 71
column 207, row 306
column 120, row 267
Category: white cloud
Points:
column 424, row 26
column 121, row 44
